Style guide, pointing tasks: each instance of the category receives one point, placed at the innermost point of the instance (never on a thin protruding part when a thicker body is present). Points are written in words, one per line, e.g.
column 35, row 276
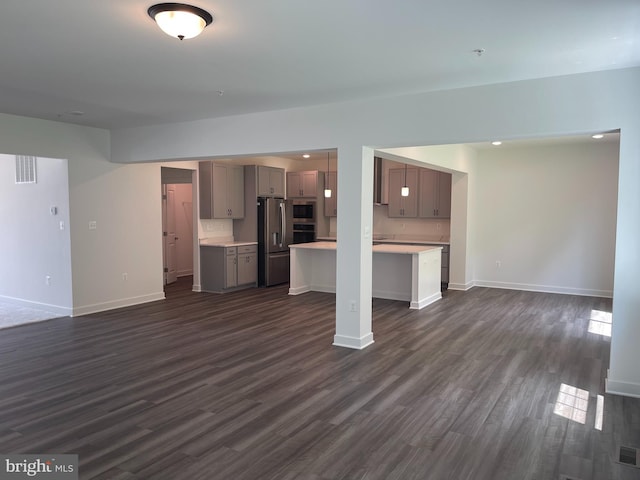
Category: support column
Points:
column 353, row 256
column 624, row 375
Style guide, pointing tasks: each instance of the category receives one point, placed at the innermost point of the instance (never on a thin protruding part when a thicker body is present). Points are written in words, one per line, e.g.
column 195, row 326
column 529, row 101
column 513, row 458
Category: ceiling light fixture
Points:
column 306, row 155
column 179, row 20
column 327, row 190
column 597, row 136
column 404, row 191
column 496, row 143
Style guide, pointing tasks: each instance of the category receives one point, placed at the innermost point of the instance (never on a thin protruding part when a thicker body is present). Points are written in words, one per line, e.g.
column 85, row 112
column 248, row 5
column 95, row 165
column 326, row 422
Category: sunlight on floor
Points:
column 600, row 323
column 572, row 403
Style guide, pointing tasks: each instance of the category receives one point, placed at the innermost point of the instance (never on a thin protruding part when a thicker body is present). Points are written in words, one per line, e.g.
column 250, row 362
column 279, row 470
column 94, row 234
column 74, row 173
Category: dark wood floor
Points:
column 247, row 386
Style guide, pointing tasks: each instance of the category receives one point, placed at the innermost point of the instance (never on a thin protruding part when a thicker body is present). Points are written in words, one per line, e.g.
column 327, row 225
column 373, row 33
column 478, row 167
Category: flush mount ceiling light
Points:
column 597, row 136
column 179, row 20
column 496, row 143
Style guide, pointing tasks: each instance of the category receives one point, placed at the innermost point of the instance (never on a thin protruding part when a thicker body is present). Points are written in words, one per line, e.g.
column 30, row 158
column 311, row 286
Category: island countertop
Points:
column 379, row 248
column 399, row 272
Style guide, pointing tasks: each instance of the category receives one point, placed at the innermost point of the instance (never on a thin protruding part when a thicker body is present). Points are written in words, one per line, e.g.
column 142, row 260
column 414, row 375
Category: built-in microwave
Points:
column 303, row 211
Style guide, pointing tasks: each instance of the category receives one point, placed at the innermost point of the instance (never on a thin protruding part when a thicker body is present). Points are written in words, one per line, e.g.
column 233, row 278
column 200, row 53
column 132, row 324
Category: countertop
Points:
column 380, row 248
column 217, row 242
column 402, row 239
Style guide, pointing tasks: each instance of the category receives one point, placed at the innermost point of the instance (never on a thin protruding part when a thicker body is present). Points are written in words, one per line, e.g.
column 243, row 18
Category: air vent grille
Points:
column 26, row 169
column 629, row 456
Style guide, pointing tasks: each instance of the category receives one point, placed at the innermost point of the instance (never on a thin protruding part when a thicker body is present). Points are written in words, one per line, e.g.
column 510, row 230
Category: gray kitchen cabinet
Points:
column 400, row 206
column 331, row 203
column 221, row 191
column 302, row 184
column 228, row 268
column 247, row 265
column 270, row 182
column 231, row 268
column 435, row 194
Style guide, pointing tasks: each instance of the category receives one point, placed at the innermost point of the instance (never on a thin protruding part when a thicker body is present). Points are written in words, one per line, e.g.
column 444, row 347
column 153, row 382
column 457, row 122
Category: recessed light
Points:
column 306, row 155
column 496, row 143
column 597, row 136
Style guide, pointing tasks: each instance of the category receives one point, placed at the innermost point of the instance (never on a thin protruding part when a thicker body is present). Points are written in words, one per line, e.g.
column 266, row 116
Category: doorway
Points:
column 177, row 224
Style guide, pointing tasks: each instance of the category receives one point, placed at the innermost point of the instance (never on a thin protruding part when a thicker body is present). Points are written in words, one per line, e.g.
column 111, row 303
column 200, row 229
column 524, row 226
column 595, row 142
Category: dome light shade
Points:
column 179, row 20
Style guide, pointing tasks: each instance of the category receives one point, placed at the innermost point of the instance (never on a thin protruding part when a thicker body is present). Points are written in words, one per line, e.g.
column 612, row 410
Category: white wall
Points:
column 548, row 215
column 566, row 105
column 32, row 244
column 122, row 199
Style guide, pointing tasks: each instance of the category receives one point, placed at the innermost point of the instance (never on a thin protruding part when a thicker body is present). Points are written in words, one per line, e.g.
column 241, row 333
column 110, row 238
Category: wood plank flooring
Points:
column 246, row 385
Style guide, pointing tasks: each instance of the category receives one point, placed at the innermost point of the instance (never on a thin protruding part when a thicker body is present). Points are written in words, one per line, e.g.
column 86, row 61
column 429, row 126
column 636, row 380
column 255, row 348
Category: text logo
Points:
column 39, row 467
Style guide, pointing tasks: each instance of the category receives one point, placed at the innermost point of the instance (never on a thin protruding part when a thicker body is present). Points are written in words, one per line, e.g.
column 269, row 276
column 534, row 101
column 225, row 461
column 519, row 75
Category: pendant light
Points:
column 327, row 190
column 404, row 191
column 179, row 20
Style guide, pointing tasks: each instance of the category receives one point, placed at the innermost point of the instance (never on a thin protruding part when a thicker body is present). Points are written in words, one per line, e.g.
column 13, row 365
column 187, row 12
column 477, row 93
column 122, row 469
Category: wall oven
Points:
column 302, row 220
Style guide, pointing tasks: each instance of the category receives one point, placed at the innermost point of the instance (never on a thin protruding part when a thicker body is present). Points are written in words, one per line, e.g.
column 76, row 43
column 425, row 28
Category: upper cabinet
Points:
column 400, row 206
column 270, row 182
column 221, row 191
column 435, row 194
column 302, row 184
column 331, row 203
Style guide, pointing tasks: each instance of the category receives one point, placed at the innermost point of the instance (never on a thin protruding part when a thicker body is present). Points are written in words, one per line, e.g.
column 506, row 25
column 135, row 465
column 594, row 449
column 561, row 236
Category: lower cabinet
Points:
column 228, row 268
column 247, row 265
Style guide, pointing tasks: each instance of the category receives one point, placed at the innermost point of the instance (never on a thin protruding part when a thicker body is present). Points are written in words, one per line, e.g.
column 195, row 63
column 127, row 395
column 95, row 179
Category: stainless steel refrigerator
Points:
column 274, row 237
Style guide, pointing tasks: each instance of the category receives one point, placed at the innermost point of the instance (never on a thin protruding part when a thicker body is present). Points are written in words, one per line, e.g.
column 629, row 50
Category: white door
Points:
column 169, row 234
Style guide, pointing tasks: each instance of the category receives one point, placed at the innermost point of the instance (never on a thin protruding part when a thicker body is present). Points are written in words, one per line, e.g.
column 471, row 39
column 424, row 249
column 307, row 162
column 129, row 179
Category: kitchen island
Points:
column 400, row 272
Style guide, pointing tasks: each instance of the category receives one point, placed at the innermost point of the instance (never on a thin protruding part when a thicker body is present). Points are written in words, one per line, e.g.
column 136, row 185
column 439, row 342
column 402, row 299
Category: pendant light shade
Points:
column 327, row 190
column 179, row 20
column 404, row 191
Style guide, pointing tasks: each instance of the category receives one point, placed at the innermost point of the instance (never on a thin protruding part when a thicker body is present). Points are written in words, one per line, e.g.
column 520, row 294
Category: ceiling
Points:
column 106, row 63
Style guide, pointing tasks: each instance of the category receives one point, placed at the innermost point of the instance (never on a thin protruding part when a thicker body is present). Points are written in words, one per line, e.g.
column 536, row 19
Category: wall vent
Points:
column 26, row 169
column 629, row 456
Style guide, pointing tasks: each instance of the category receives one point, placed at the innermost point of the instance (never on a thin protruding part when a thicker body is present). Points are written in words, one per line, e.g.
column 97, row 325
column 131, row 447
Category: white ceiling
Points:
column 108, row 59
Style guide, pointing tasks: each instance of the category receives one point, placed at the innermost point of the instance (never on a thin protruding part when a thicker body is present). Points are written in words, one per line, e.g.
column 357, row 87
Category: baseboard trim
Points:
column 626, row 389
column 196, row 288
column 545, row 289
column 125, row 302
column 299, row 290
column 353, row 342
column 425, row 301
column 463, row 287
column 47, row 307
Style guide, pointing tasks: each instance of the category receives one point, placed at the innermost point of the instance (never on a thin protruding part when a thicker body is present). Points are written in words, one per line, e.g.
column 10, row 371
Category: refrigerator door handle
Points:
column 283, row 224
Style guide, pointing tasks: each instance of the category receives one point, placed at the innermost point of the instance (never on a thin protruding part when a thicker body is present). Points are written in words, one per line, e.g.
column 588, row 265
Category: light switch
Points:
column 367, row 232
column 61, row 225
column 93, row 225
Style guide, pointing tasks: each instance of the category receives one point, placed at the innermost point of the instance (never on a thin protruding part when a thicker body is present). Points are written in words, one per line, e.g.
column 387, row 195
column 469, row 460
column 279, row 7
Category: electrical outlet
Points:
column 93, row 225
column 352, row 306
column 61, row 225
column 498, row 263
column 47, row 280
column 125, row 276
column 438, row 226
